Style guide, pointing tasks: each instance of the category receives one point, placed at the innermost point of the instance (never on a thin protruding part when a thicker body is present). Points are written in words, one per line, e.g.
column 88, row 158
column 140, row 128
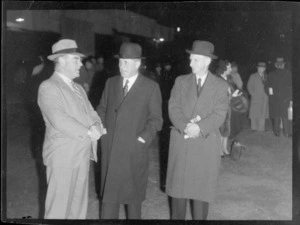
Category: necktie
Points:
column 198, row 87
column 126, row 89
column 77, row 92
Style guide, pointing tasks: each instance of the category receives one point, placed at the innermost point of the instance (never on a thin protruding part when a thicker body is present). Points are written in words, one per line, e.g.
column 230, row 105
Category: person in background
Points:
column 237, row 118
column 197, row 108
column 72, row 130
column 236, row 76
column 87, row 73
column 223, row 71
column 279, row 90
column 130, row 108
column 259, row 104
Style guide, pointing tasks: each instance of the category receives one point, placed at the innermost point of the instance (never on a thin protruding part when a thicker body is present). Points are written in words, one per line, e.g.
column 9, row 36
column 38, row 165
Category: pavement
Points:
column 258, row 186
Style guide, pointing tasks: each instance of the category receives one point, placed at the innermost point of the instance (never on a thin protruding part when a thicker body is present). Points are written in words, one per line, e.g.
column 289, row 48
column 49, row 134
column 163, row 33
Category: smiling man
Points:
column 72, row 131
column 130, row 108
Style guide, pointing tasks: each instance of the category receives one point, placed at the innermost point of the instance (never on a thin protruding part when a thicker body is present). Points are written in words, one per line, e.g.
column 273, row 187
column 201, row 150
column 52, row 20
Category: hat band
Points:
column 67, row 51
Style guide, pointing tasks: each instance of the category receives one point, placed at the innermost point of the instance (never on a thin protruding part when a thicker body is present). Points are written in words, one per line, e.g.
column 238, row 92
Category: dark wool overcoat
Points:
column 280, row 80
column 124, row 159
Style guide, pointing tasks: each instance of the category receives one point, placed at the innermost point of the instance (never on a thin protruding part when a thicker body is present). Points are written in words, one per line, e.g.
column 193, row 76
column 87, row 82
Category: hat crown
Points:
column 130, row 50
column 261, row 64
column 64, row 44
column 203, row 48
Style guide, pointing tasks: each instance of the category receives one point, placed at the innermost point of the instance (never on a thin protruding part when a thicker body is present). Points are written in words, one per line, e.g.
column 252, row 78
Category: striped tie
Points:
column 77, row 92
column 126, row 88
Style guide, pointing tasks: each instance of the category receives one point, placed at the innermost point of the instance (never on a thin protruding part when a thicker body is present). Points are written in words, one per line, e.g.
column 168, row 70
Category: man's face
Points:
column 261, row 69
column 71, row 65
column 129, row 67
column 199, row 63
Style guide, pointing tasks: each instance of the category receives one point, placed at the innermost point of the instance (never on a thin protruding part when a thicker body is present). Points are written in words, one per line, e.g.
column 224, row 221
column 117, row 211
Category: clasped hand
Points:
column 96, row 131
column 192, row 130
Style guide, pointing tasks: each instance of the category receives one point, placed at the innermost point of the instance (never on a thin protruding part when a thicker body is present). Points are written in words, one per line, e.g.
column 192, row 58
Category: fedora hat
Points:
column 279, row 61
column 129, row 50
column 203, row 48
column 64, row 46
column 261, row 64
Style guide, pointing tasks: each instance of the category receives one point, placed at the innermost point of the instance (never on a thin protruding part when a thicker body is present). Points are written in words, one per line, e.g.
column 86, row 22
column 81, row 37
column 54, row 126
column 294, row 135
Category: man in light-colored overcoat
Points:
column 259, row 103
column 72, row 131
column 197, row 108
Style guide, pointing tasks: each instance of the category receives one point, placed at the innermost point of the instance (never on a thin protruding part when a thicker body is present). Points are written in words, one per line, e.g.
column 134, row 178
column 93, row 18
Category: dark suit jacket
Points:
column 124, row 158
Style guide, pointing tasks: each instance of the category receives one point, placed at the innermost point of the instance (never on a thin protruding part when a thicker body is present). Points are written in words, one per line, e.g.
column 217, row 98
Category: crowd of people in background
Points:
column 261, row 97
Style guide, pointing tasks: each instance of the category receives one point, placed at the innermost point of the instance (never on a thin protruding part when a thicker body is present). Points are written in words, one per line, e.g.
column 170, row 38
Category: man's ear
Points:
column 61, row 60
column 207, row 61
column 138, row 64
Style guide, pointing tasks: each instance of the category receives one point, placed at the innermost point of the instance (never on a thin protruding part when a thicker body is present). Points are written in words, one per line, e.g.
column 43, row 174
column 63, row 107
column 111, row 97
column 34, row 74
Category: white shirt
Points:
column 131, row 81
column 203, row 78
column 66, row 79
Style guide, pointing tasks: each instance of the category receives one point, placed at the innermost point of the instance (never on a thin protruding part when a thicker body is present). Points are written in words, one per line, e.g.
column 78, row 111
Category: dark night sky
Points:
column 241, row 31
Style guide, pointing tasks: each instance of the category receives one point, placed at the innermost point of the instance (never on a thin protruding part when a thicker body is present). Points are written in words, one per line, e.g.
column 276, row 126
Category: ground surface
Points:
column 256, row 187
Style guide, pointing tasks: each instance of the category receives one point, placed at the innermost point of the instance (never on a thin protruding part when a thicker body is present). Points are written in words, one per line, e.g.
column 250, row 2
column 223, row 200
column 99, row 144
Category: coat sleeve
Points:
column 221, row 105
column 176, row 114
column 154, row 121
column 101, row 108
column 53, row 109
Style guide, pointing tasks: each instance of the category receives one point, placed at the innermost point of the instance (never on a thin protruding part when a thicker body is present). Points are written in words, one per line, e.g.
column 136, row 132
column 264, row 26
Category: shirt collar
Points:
column 130, row 79
column 203, row 78
column 65, row 78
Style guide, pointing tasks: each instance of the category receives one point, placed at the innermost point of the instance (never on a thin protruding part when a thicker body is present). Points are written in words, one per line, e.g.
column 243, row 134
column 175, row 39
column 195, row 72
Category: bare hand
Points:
column 192, row 130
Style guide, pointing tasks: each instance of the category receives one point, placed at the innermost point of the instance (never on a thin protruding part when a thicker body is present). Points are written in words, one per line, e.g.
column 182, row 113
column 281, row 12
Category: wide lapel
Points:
column 135, row 87
column 66, row 88
column 205, row 94
column 118, row 86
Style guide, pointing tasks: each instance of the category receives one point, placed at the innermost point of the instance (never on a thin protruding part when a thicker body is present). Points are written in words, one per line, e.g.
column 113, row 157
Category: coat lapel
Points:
column 191, row 94
column 204, row 96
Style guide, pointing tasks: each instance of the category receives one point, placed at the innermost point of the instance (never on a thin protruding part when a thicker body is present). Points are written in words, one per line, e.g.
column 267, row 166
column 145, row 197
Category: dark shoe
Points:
column 276, row 134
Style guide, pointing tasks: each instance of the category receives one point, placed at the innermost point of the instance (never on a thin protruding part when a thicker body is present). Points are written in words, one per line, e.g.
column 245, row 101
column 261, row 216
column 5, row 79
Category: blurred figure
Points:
column 279, row 89
column 94, row 95
column 40, row 72
column 158, row 73
column 236, row 76
column 237, row 118
column 259, row 104
column 98, row 81
column 87, row 73
column 147, row 73
column 223, row 71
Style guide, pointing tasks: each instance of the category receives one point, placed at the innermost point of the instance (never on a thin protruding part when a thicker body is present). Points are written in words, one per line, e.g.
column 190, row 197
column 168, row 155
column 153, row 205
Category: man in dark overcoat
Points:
column 197, row 108
column 131, row 110
column 279, row 89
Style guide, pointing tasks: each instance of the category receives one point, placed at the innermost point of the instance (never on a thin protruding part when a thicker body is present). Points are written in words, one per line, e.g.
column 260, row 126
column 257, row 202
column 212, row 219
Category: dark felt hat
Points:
column 129, row 50
column 261, row 64
column 203, row 48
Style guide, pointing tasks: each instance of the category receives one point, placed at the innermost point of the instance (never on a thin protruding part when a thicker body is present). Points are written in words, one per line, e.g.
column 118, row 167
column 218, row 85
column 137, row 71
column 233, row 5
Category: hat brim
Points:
column 202, row 53
column 54, row 56
column 119, row 57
